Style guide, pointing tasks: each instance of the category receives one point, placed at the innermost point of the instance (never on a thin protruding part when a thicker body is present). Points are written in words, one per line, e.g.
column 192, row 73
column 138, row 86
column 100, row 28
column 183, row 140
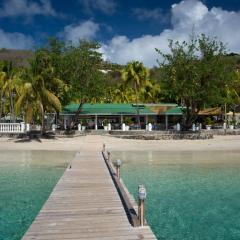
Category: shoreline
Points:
column 218, row 143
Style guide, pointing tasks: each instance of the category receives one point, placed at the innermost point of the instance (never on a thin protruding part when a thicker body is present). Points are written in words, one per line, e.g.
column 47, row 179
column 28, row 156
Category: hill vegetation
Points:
column 19, row 58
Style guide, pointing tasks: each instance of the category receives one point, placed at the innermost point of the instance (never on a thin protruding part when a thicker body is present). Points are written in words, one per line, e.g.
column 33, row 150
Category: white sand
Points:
column 74, row 144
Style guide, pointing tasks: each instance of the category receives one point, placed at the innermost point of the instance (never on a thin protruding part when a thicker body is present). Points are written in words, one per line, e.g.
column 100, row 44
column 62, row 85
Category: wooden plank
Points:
column 85, row 204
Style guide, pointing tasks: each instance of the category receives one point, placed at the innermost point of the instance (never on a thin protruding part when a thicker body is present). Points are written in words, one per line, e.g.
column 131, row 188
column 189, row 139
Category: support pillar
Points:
column 22, row 127
column 225, row 112
column 96, row 122
column 118, row 165
column 166, row 122
column 121, row 119
column 146, row 119
column 65, row 122
column 142, row 194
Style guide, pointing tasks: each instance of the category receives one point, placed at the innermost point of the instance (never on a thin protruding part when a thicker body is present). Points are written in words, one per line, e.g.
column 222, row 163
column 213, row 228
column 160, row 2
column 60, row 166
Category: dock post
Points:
column 109, row 156
column 142, row 194
column 104, row 147
column 118, row 165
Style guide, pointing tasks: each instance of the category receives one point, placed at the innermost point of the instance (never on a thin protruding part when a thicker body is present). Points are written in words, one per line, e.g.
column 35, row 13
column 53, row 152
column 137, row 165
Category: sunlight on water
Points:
column 191, row 195
column 26, row 180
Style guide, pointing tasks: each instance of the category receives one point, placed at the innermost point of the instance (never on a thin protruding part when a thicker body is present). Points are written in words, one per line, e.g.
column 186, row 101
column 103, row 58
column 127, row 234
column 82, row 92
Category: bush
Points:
column 209, row 121
column 128, row 121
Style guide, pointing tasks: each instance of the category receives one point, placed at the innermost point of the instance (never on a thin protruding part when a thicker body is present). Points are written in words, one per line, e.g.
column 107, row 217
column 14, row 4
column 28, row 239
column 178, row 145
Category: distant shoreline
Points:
column 224, row 143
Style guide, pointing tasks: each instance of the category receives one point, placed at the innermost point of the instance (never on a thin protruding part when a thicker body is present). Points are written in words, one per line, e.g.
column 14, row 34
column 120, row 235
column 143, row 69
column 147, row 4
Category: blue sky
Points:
column 127, row 30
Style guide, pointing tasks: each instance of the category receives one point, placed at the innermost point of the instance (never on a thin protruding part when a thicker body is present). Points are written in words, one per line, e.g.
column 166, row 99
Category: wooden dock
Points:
column 85, row 205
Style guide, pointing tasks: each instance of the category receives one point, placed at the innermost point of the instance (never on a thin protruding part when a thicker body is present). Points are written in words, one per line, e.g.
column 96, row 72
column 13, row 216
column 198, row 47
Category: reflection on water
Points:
column 191, row 195
column 26, row 180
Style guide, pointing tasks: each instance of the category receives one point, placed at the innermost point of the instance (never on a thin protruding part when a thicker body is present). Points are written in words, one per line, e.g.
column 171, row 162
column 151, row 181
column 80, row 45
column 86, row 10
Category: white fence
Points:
column 12, row 127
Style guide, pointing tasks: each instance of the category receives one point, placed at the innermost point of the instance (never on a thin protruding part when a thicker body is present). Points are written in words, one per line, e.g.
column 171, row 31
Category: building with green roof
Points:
column 118, row 113
column 108, row 109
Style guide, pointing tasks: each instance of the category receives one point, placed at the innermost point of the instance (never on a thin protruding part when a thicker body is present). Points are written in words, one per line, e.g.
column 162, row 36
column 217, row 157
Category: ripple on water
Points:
column 26, row 180
column 191, row 195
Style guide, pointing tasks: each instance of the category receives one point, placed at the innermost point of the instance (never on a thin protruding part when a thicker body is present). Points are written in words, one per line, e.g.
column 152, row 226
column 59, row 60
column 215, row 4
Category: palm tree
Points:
column 36, row 95
column 150, row 93
column 2, row 78
column 232, row 94
column 9, row 79
column 135, row 75
column 123, row 94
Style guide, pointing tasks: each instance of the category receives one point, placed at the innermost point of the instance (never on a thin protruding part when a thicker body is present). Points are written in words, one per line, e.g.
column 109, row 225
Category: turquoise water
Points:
column 26, row 180
column 190, row 195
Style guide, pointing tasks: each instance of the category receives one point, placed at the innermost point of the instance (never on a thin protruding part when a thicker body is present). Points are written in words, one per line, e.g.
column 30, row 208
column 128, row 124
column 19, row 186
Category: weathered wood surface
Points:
column 85, row 205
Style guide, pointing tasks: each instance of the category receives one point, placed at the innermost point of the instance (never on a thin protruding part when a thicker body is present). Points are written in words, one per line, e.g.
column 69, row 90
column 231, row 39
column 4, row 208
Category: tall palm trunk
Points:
column 1, row 106
column 234, row 116
column 76, row 116
column 138, row 111
column 138, row 116
column 12, row 116
column 43, row 124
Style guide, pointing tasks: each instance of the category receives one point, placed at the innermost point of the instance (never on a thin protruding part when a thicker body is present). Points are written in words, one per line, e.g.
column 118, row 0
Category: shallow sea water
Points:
column 190, row 195
column 26, row 180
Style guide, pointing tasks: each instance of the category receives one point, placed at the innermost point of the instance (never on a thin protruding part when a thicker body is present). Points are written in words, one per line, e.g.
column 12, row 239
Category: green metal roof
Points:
column 161, row 104
column 107, row 109
column 174, row 111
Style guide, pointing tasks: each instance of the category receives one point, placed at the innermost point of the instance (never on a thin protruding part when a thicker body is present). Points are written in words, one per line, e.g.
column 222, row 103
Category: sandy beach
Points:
column 226, row 143
column 182, row 180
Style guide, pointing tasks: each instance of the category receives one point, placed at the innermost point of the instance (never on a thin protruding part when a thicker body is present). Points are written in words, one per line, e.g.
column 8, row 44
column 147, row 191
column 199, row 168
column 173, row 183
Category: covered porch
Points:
column 98, row 116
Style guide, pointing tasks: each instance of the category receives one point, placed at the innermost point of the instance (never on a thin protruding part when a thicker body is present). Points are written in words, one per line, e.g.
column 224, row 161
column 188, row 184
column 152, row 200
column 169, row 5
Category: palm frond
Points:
column 52, row 100
column 29, row 113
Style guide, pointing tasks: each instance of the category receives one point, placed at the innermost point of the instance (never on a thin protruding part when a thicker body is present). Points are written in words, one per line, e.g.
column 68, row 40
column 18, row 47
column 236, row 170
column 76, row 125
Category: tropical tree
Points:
column 151, row 92
column 81, row 67
column 37, row 93
column 2, row 77
column 195, row 74
column 124, row 94
column 9, row 79
column 232, row 93
column 135, row 76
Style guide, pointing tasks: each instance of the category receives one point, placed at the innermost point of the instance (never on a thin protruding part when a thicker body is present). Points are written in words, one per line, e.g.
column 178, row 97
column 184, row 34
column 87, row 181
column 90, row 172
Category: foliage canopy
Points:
column 195, row 75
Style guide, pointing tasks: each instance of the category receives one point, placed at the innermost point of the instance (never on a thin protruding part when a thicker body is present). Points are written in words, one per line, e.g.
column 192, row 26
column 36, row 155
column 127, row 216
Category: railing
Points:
column 135, row 219
column 12, row 127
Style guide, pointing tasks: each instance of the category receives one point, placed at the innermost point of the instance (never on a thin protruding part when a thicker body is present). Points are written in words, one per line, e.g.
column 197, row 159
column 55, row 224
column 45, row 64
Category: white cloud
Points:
column 106, row 6
column 15, row 40
column 186, row 17
column 188, row 13
column 144, row 14
column 26, row 8
column 86, row 30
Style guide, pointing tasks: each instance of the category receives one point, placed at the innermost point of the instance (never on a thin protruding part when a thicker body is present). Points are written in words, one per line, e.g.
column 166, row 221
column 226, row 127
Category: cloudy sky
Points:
column 127, row 29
